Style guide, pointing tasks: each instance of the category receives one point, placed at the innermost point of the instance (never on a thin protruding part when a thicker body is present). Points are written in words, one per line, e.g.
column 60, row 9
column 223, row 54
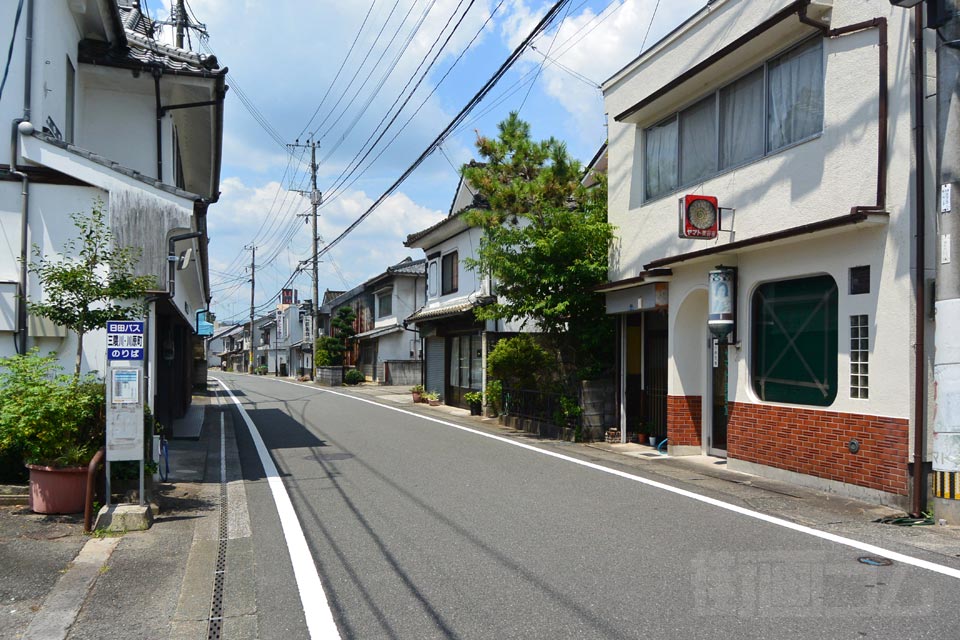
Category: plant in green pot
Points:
column 475, row 401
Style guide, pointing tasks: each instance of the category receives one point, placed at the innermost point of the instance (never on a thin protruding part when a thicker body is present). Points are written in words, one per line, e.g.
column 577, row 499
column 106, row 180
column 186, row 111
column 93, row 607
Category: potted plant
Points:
column 432, row 397
column 54, row 423
column 475, row 400
column 92, row 282
column 262, row 370
column 417, row 392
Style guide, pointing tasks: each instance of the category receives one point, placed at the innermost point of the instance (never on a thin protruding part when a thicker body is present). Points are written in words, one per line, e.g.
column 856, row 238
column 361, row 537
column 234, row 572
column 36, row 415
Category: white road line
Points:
column 780, row 522
column 319, row 617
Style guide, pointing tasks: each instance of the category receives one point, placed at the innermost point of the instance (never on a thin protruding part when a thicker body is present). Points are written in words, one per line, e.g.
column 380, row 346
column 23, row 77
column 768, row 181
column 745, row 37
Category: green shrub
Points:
column 354, row 377
column 473, row 397
column 519, row 362
column 48, row 418
column 495, row 396
column 329, row 352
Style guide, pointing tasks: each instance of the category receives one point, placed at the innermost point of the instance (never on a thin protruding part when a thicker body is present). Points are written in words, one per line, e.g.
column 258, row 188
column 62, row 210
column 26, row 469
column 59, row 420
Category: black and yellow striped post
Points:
column 946, row 485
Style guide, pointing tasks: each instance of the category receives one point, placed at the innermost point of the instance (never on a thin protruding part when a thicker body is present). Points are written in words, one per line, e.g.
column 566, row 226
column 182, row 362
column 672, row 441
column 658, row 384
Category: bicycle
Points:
column 163, row 458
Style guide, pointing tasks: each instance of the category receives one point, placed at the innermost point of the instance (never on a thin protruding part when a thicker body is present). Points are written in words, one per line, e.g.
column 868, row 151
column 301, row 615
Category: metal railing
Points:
column 538, row 405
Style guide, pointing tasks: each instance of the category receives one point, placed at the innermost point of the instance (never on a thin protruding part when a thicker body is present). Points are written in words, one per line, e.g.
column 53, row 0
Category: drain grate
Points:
column 215, row 625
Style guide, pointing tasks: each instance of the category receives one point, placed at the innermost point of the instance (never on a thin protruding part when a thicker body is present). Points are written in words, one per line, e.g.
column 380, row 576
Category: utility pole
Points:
column 946, row 364
column 181, row 22
column 253, row 284
column 315, row 200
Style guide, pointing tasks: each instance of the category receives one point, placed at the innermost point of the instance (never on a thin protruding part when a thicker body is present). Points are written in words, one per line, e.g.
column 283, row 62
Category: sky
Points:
column 339, row 72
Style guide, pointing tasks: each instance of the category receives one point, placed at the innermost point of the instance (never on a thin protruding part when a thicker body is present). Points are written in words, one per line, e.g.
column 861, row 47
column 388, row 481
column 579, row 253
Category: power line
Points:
column 488, row 85
column 340, row 70
column 342, row 186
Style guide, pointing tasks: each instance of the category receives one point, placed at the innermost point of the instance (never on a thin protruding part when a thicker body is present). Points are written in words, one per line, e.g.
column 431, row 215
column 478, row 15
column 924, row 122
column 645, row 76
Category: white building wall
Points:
column 814, row 180
column 469, row 284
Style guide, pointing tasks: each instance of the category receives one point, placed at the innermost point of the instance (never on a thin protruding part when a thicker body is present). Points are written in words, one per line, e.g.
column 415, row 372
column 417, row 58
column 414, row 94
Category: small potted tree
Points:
column 93, row 281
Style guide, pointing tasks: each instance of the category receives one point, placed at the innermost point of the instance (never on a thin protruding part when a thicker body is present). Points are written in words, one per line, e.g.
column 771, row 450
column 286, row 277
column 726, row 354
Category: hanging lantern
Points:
column 723, row 300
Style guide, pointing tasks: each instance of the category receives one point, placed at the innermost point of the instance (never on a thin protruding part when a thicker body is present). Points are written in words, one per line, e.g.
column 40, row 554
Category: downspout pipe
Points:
column 156, row 85
column 918, row 497
column 22, row 125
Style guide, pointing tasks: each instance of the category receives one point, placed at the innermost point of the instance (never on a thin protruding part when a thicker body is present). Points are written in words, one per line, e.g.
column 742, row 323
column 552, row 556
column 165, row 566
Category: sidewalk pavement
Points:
column 56, row 582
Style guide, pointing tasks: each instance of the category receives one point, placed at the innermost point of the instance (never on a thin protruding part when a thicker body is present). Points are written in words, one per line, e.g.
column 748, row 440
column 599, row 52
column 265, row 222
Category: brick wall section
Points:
column 815, row 443
column 683, row 420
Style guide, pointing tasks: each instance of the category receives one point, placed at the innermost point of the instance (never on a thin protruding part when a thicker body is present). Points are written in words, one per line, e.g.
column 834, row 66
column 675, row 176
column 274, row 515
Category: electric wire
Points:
column 340, row 70
column 338, row 189
column 488, row 85
column 382, row 83
column 13, row 40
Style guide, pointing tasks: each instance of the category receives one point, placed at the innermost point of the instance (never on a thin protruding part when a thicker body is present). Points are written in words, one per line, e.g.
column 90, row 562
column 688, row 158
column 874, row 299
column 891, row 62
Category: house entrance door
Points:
column 464, row 367
column 655, row 372
column 717, row 442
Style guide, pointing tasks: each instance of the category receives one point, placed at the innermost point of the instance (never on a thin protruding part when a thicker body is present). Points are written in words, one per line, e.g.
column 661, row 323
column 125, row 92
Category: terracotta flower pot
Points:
column 417, row 397
column 434, row 403
column 56, row 490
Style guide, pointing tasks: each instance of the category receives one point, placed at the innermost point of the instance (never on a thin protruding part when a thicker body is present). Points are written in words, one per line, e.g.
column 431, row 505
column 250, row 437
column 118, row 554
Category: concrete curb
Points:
column 62, row 604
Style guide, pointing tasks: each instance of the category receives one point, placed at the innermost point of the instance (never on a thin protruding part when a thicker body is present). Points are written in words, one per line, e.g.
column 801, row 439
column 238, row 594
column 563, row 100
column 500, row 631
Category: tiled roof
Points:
column 413, row 237
column 435, row 313
column 409, row 267
column 143, row 51
column 133, row 18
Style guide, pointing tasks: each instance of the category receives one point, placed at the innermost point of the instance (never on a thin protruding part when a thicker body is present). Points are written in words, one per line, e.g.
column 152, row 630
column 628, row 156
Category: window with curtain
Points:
column 741, row 120
column 794, row 341
column 795, row 95
column 776, row 105
column 450, row 277
column 660, row 159
column 698, row 141
column 385, row 304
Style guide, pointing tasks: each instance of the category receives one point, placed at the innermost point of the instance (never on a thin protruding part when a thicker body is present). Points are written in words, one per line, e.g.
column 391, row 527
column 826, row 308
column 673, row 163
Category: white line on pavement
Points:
column 319, row 619
column 780, row 522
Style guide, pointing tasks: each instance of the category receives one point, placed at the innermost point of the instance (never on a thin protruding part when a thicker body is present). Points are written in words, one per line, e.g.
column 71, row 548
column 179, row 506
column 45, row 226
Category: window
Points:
column 698, row 136
column 795, row 95
column 660, row 158
column 450, row 279
column 432, row 279
column 859, row 357
column 385, row 304
column 794, row 346
column 741, row 108
column 774, row 106
column 70, row 116
column 859, row 280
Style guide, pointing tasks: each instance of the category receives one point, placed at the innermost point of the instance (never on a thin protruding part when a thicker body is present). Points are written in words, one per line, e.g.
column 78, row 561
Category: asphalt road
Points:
column 421, row 530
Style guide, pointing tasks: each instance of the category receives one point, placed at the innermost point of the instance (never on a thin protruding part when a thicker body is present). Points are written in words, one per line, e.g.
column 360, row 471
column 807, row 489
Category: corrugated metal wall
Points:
column 435, row 362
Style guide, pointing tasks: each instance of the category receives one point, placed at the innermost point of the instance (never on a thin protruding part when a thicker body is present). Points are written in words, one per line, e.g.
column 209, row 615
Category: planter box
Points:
column 330, row 376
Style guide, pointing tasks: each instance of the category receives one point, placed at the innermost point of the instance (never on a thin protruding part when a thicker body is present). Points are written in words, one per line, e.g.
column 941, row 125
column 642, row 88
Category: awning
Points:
column 435, row 313
column 376, row 333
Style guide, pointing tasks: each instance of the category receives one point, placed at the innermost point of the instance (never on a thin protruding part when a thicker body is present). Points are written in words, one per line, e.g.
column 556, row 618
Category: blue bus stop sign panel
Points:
column 124, row 340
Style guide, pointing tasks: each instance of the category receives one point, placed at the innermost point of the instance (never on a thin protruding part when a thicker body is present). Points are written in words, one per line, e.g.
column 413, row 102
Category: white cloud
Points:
column 247, row 211
column 594, row 46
